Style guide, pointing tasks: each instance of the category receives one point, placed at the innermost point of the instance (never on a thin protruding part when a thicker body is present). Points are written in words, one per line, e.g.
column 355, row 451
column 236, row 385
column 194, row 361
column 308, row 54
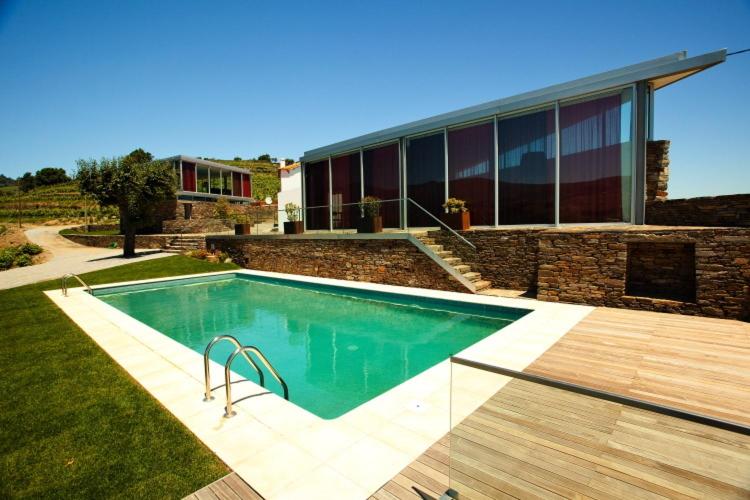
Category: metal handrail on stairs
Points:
column 442, row 224
column 64, row 283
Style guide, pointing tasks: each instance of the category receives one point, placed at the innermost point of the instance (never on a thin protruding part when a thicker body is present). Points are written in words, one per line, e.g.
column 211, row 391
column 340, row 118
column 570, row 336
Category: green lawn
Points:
column 72, row 422
column 101, row 232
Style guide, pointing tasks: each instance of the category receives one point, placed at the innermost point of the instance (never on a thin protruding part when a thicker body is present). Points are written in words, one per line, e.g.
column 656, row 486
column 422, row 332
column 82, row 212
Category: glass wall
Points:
column 526, row 163
column 188, row 176
column 226, row 183
column 425, row 176
column 215, row 181
column 380, row 168
column 202, row 179
column 595, row 159
column 346, row 188
column 471, row 168
column 316, row 195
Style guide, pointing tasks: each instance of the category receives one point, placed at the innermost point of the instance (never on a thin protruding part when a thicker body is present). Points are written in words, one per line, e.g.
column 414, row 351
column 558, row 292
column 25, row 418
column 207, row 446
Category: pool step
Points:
column 474, row 279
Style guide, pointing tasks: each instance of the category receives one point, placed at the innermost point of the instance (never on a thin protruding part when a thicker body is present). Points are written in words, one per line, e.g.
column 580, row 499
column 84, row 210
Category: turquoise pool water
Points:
column 335, row 347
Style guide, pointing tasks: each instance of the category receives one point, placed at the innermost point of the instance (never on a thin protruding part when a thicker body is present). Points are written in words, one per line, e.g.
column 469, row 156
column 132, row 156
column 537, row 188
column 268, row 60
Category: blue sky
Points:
column 224, row 79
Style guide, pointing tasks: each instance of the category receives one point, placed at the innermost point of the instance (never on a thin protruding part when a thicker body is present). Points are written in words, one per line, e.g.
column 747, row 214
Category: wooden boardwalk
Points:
column 531, row 441
column 229, row 487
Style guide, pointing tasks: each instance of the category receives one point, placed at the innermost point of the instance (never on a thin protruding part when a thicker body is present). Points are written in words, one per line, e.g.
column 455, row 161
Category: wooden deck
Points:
column 531, row 441
column 229, row 487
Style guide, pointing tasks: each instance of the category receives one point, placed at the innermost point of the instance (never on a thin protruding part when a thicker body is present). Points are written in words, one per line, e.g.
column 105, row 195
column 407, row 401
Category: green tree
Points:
column 51, row 175
column 27, row 182
column 6, row 181
column 237, row 158
column 136, row 184
column 288, row 161
column 265, row 157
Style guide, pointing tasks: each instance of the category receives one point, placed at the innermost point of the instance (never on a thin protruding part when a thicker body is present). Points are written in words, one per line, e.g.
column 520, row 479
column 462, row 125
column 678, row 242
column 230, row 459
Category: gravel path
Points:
column 67, row 257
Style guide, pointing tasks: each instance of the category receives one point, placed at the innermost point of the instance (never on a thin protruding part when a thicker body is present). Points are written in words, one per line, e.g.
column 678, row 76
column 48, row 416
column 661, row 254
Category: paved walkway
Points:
column 67, row 257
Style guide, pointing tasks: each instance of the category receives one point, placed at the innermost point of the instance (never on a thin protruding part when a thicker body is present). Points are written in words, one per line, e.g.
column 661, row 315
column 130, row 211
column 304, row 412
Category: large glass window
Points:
column 202, row 179
column 345, row 181
column 316, row 195
column 526, row 162
column 471, row 170
column 425, row 165
column 380, row 172
column 226, row 183
column 595, row 159
column 188, row 176
column 215, row 181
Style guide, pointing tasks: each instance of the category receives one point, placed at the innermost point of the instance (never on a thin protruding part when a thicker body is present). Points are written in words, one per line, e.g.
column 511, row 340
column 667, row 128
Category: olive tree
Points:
column 136, row 184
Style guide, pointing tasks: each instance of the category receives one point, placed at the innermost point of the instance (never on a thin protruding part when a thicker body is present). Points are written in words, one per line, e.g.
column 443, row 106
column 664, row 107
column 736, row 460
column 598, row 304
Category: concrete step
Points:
column 435, row 248
column 444, row 254
column 453, row 261
column 462, row 268
column 472, row 276
column 482, row 285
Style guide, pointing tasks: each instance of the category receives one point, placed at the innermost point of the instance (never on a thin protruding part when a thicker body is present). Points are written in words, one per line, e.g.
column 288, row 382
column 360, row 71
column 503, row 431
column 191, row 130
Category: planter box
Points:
column 458, row 222
column 294, row 227
column 240, row 229
column 370, row 225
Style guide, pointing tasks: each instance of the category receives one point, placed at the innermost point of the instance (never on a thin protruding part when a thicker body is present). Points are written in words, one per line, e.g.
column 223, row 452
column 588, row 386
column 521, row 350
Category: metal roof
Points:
column 663, row 71
column 208, row 163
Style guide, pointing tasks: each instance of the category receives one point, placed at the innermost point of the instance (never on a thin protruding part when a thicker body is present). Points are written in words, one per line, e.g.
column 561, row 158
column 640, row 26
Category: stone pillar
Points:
column 657, row 170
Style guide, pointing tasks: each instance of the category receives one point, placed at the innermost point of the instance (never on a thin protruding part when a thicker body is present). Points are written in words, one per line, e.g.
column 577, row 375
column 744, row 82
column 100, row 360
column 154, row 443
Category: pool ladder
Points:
column 239, row 350
column 64, row 283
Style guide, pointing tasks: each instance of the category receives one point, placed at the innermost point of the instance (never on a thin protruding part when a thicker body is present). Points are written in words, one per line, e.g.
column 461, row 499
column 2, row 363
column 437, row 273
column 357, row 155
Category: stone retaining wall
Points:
column 590, row 267
column 105, row 241
column 507, row 258
column 378, row 260
column 710, row 211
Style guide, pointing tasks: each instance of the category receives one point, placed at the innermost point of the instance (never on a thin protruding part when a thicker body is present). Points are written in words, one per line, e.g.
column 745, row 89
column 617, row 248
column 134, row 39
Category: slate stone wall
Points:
column 709, row 211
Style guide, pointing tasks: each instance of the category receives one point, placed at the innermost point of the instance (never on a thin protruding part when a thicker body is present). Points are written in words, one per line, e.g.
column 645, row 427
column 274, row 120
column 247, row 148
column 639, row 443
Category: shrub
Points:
column 455, row 205
column 221, row 210
column 198, row 254
column 30, row 249
column 7, row 257
column 23, row 260
column 370, row 205
column 292, row 212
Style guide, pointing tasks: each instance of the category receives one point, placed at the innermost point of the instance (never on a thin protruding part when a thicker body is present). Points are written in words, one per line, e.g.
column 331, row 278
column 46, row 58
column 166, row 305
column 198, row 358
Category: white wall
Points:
column 291, row 191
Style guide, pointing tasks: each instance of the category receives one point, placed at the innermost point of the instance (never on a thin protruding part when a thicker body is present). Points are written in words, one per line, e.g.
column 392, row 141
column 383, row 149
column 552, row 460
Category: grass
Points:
column 72, row 422
column 2, row 229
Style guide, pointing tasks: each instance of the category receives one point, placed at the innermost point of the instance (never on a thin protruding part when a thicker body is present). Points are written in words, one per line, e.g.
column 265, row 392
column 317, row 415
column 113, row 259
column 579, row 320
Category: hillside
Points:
column 255, row 166
column 62, row 202
column 265, row 176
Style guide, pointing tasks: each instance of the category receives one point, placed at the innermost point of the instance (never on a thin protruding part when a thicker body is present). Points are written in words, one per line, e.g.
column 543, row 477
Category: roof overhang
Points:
column 659, row 72
column 208, row 163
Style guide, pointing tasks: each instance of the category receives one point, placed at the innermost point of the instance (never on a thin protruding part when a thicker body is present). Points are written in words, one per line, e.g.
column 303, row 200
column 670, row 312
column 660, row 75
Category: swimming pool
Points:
column 336, row 347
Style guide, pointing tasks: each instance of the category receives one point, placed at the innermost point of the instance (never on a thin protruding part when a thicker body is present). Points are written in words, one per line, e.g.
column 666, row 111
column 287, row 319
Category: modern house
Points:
column 572, row 153
column 204, row 180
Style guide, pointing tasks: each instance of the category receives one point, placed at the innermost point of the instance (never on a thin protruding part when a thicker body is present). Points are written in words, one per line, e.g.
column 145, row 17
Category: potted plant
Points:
column 457, row 215
column 371, row 221
column 242, row 225
column 294, row 224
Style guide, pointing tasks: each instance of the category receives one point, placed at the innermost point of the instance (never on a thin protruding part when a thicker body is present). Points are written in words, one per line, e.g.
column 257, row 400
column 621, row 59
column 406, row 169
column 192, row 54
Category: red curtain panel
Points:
column 425, row 176
column 345, row 181
column 188, row 176
column 471, row 170
column 316, row 195
column 236, row 184
column 380, row 173
column 247, row 188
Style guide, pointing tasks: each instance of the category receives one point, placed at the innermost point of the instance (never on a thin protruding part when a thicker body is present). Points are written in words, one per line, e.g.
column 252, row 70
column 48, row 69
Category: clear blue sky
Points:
column 224, row 79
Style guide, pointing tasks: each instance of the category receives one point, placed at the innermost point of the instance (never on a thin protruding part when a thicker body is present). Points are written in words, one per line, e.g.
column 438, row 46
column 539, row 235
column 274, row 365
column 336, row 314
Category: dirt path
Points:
column 64, row 257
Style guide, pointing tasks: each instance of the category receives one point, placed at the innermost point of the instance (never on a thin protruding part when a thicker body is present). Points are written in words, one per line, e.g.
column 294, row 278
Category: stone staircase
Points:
column 186, row 243
column 455, row 262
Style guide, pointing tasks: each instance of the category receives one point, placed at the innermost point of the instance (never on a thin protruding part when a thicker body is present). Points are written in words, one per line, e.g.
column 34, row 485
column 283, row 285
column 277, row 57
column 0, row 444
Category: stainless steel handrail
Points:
column 443, row 224
column 207, row 372
column 228, row 412
column 64, row 283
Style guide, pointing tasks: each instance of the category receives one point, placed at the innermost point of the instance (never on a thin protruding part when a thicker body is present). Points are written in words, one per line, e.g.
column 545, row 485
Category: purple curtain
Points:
column 425, row 165
column 380, row 169
column 345, row 180
column 316, row 194
column 526, row 150
column 471, row 170
column 591, row 161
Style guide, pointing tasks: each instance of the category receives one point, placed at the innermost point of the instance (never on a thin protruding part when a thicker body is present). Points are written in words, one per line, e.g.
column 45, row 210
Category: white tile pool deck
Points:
column 284, row 451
